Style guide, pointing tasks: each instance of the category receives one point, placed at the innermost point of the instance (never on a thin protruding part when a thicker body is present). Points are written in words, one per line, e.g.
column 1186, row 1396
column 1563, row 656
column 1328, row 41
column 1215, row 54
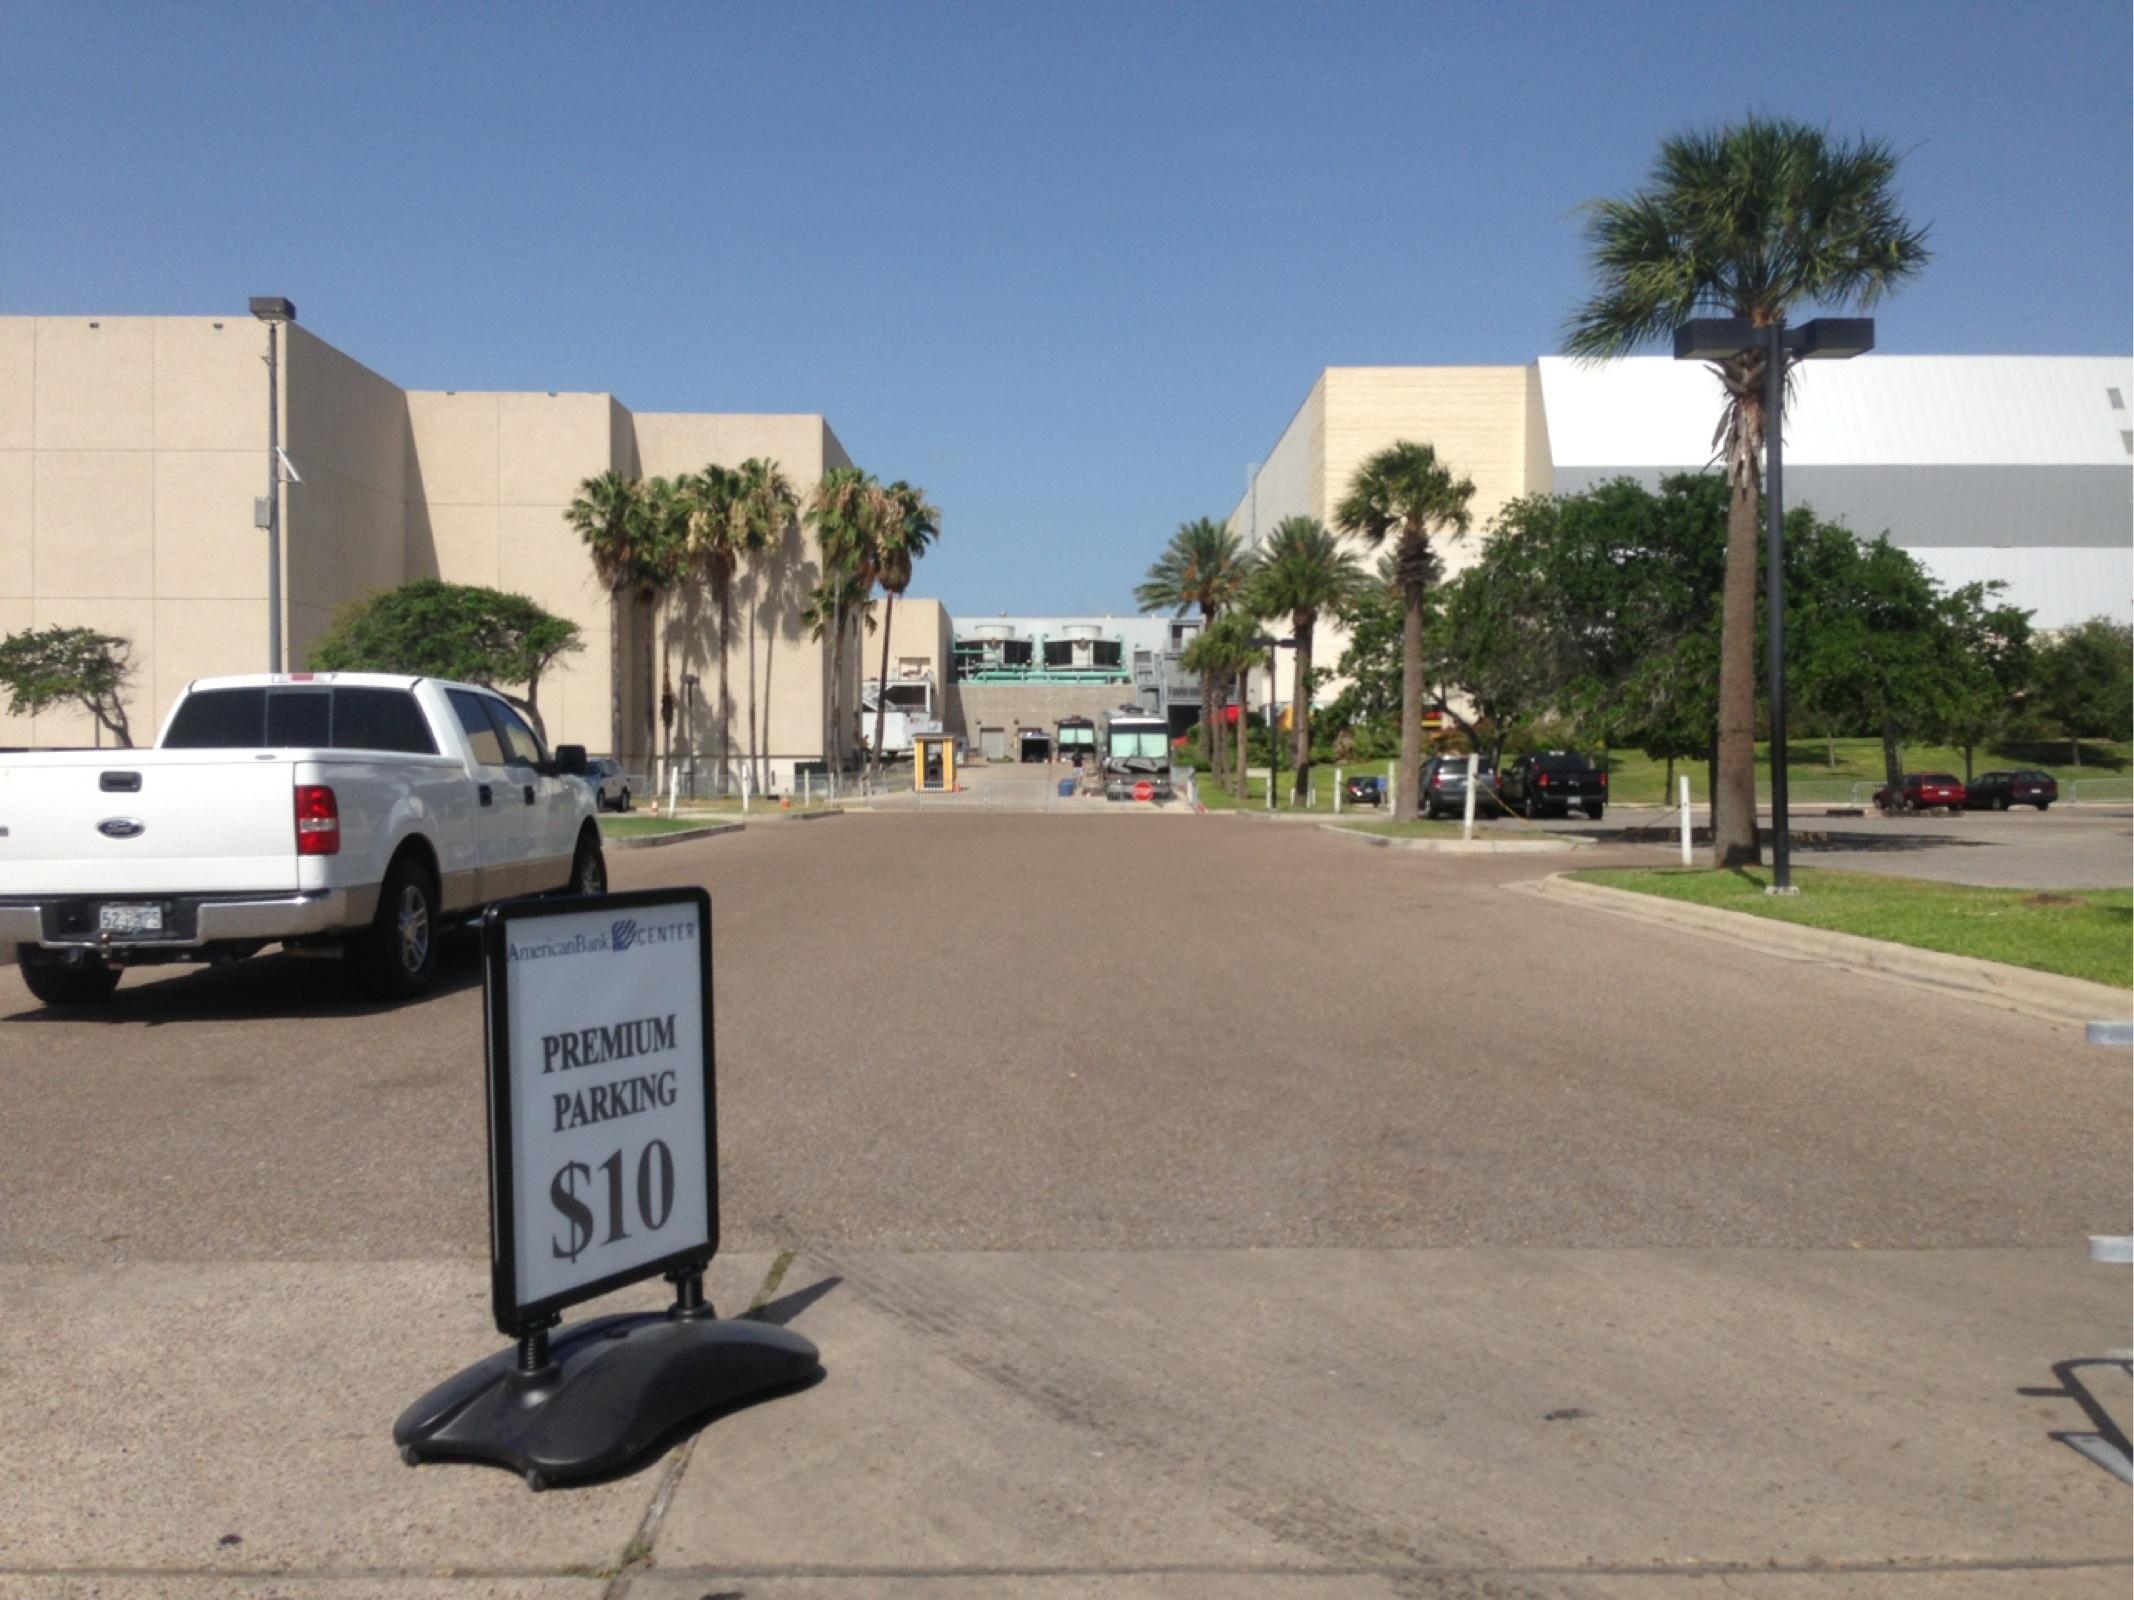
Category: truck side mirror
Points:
column 570, row 760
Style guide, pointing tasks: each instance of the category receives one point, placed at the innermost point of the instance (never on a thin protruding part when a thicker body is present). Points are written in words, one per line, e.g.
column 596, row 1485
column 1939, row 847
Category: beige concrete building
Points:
column 1486, row 423
column 2013, row 469
column 131, row 449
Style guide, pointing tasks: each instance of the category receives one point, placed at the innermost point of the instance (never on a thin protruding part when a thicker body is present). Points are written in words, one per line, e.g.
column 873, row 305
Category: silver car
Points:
column 611, row 787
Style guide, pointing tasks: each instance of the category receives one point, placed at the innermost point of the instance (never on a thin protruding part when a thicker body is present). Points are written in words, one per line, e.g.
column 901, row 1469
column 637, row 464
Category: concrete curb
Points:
column 2045, row 995
column 1555, row 845
column 652, row 841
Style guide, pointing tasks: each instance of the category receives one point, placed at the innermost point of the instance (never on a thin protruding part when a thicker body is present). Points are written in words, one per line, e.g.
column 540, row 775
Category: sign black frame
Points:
column 513, row 1319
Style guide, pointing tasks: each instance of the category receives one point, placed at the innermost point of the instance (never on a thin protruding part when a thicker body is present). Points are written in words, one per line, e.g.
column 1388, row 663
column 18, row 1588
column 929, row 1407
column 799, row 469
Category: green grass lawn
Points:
column 1635, row 778
column 2107, row 772
column 637, row 827
column 1407, row 830
column 2083, row 933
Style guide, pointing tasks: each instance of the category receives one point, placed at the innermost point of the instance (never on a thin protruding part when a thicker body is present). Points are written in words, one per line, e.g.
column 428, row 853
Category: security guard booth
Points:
column 933, row 765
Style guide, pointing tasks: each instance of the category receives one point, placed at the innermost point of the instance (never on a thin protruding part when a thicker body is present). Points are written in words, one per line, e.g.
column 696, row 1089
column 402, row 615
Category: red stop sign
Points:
column 1144, row 790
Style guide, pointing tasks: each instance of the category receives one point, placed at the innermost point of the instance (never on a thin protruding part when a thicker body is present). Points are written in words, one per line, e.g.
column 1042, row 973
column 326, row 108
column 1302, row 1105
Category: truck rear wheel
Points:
column 395, row 958
column 60, row 982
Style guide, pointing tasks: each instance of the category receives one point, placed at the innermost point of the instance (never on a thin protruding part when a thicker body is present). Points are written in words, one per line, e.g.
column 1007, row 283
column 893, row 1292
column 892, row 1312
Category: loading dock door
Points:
column 1036, row 746
column 993, row 743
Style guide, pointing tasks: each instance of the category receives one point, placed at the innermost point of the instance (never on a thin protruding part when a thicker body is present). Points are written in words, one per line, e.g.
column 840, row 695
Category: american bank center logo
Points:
column 627, row 933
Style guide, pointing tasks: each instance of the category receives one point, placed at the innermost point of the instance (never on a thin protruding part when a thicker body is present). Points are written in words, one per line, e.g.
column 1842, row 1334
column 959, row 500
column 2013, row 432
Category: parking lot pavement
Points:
column 1371, row 1151
column 2086, row 847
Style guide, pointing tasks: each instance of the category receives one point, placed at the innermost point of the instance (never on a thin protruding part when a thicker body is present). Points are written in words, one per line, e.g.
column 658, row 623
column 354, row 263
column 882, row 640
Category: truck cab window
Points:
column 521, row 748
column 299, row 717
column 484, row 743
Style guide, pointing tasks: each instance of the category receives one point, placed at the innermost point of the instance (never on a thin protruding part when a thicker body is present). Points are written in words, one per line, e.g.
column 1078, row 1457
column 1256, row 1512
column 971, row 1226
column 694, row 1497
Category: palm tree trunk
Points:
column 1411, row 697
column 1211, row 740
column 1244, row 745
column 1300, row 711
column 1734, row 842
column 763, row 711
column 726, row 639
column 881, row 691
column 615, row 668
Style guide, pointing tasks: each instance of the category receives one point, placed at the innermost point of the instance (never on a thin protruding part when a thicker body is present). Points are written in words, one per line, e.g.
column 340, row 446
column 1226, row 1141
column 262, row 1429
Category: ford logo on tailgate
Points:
column 119, row 828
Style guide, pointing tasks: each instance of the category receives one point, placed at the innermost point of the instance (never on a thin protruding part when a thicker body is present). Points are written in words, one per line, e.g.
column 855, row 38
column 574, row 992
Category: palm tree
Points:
column 716, row 543
column 1303, row 570
column 909, row 527
column 847, row 511
column 609, row 515
column 1204, row 565
column 665, row 564
column 1406, row 487
column 841, row 599
column 1746, row 221
column 1222, row 654
column 764, row 510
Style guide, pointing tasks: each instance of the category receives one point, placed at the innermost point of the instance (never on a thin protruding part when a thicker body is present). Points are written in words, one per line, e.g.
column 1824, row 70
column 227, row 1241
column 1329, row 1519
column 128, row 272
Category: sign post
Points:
column 603, row 1171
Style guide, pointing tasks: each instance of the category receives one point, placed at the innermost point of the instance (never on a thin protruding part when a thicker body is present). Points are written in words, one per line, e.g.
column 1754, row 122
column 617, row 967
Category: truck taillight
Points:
column 1604, row 780
column 318, row 821
column 1541, row 780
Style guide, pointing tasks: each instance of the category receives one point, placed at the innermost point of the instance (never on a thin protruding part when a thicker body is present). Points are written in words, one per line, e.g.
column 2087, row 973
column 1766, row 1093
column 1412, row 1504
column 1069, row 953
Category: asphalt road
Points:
column 1026, row 1032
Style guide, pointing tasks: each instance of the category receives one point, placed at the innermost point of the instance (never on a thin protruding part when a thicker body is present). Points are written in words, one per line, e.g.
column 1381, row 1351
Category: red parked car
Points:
column 1923, row 791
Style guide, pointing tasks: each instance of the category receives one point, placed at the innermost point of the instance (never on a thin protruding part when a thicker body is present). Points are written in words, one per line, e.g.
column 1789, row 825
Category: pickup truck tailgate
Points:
column 203, row 821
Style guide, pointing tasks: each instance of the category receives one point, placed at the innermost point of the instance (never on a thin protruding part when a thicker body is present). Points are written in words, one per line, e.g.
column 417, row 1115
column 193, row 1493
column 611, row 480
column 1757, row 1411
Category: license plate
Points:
column 130, row 919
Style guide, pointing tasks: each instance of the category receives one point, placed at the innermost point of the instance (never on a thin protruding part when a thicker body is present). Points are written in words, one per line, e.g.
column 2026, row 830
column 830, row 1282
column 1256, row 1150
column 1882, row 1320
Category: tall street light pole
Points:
column 273, row 311
column 1824, row 339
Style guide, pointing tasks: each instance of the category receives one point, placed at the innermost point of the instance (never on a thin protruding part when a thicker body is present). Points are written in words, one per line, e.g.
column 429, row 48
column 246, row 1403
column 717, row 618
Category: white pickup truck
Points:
column 322, row 811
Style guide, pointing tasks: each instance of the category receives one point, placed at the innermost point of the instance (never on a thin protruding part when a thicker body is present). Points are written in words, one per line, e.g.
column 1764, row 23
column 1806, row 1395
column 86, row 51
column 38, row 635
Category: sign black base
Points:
column 603, row 1393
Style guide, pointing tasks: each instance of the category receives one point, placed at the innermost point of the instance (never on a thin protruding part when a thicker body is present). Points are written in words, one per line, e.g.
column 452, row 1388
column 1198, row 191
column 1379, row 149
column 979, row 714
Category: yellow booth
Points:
column 933, row 763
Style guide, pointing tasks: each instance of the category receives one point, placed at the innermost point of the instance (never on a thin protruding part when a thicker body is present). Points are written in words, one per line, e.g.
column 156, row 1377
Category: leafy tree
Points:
column 1869, row 628
column 1405, row 490
column 44, row 667
column 766, row 507
column 2083, row 681
column 910, row 525
column 1995, row 660
column 1301, row 571
column 1749, row 221
column 450, row 630
column 1205, row 565
column 1369, row 701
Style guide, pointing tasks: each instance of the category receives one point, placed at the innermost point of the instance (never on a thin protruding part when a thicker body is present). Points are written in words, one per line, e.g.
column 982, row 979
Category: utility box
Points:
column 933, row 764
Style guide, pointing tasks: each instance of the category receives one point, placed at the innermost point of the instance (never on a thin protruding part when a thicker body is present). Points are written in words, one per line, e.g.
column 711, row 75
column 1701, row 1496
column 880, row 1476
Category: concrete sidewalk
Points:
column 1328, row 1423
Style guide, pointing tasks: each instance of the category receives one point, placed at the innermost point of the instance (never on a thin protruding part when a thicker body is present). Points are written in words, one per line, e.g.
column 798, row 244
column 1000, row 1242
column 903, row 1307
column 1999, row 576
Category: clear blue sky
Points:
column 1069, row 266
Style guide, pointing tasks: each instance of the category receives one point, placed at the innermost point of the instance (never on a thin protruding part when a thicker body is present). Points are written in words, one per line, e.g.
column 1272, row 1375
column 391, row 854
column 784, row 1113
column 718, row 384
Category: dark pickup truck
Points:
column 1553, row 783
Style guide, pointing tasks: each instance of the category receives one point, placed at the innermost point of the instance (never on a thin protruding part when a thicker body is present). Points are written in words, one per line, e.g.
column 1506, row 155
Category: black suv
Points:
column 1997, row 791
column 1553, row 783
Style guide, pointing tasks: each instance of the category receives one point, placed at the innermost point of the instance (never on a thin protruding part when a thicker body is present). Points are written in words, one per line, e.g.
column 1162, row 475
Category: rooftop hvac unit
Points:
column 993, row 630
column 1081, row 630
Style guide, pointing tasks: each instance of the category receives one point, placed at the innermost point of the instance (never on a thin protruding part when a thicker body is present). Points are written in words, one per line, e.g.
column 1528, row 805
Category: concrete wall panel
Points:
column 211, row 387
column 205, row 544
column 96, row 383
column 18, row 497
column 548, row 444
column 453, row 448
column 95, row 533
column 18, row 383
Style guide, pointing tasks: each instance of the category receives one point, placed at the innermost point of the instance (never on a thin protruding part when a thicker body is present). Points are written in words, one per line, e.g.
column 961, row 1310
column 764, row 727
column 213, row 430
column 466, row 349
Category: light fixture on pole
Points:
column 273, row 310
column 1824, row 339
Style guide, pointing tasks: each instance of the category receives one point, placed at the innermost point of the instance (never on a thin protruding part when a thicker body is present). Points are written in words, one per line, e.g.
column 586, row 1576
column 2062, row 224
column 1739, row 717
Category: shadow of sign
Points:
column 2104, row 1441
